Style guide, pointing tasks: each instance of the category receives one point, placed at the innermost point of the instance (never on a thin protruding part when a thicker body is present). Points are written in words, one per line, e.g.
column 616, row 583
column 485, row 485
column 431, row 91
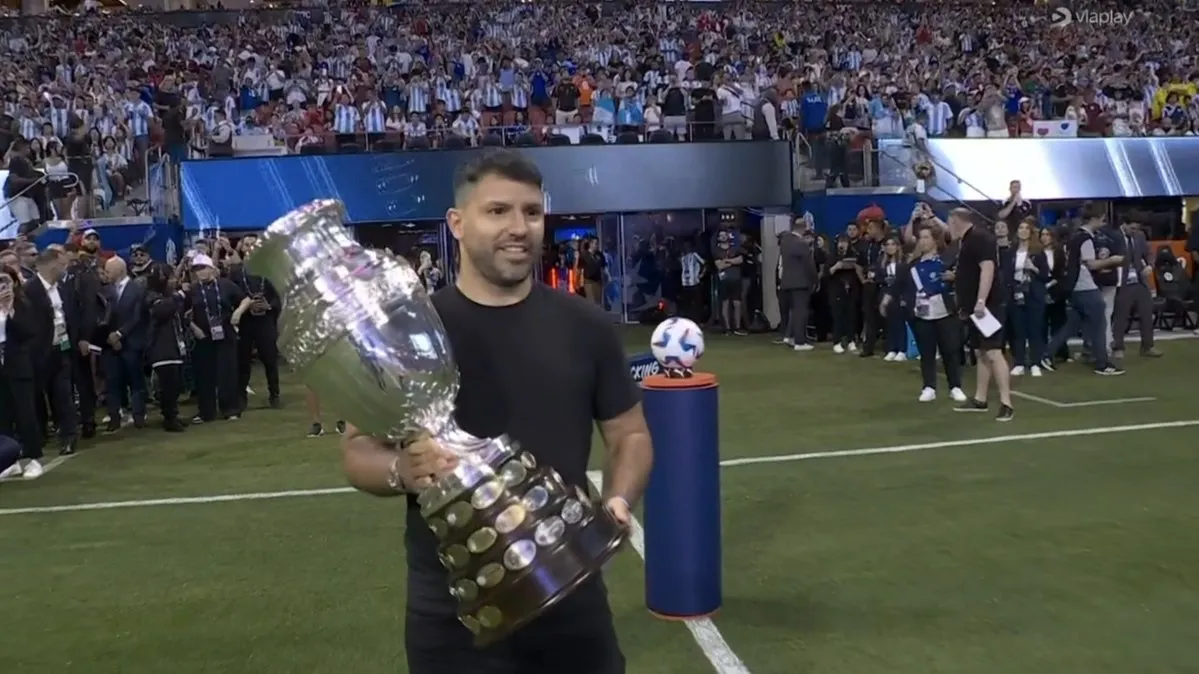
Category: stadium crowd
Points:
column 435, row 74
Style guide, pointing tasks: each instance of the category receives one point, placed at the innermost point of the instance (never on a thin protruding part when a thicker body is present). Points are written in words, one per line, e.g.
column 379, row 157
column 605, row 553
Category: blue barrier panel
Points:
column 682, row 503
column 643, row 365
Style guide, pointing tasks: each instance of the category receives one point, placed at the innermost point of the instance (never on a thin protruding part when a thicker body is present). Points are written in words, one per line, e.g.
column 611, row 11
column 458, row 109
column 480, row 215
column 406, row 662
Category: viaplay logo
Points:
column 1062, row 17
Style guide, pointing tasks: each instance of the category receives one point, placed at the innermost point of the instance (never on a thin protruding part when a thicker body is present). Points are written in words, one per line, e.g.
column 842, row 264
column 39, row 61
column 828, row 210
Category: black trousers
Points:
column 943, row 335
column 169, row 379
column 215, row 365
column 56, row 383
column 842, row 300
column 559, row 642
column 85, row 388
column 261, row 335
column 18, row 414
column 871, row 319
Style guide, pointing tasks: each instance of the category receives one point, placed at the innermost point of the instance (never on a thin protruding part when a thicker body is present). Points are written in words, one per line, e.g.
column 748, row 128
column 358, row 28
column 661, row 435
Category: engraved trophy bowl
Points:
column 358, row 326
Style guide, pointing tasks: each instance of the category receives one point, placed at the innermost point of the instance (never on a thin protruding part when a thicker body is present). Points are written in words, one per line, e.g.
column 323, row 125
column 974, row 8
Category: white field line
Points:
column 780, row 458
column 994, row 440
column 1084, row 403
column 703, row 630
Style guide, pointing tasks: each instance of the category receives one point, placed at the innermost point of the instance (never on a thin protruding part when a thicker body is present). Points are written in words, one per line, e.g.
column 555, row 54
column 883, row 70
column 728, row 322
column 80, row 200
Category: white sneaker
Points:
column 958, row 395
column 900, row 357
column 33, row 470
column 927, row 395
column 803, row 347
column 12, row 471
column 890, row 356
column 853, row 347
column 1018, row 371
column 1035, row 371
column 837, row 348
column 788, row 341
column 249, row 391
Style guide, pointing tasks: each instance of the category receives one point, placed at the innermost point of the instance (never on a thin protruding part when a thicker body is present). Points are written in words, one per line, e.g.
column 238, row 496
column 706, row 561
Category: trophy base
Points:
column 558, row 574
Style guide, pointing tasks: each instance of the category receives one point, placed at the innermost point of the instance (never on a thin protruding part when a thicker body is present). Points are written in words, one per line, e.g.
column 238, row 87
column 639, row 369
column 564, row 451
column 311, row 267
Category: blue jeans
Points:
column 1028, row 331
column 1084, row 309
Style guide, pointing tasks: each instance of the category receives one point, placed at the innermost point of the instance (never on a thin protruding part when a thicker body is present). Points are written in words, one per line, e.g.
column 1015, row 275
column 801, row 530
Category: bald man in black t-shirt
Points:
column 979, row 292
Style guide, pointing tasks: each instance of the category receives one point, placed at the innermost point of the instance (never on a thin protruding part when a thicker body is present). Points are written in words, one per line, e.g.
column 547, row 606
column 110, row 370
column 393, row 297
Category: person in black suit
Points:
column 84, row 278
column 125, row 328
column 258, row 332
column 217, row 305
column 165, row 346
column 56, row 339
column 18, row 411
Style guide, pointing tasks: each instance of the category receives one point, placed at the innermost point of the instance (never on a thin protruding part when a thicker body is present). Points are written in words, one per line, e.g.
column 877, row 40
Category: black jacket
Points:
column 164, row 343
column 126, row 314
column 42, row 310
column 1034, row 286
column 19, row 333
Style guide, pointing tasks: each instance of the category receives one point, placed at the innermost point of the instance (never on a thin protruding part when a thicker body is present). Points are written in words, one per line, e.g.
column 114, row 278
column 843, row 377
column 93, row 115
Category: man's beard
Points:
column 496, row 271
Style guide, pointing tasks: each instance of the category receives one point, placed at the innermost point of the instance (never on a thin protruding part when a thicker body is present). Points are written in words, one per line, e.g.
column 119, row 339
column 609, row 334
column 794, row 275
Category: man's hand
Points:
column 619, row 508
column 85, row 347
column 422, row 463
column 948, row 276
column 199, row 334
column 980, row 309
column 114, row 340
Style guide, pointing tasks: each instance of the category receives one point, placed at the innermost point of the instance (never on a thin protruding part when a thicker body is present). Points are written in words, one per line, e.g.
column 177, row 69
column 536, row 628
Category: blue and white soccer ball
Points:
column 677, row 343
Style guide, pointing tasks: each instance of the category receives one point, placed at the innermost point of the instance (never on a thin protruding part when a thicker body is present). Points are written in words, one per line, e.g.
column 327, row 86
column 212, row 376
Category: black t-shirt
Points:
column 1019, row 211
column 977, row 246
column 568, row 96
column 542, row 371
column 593, row 266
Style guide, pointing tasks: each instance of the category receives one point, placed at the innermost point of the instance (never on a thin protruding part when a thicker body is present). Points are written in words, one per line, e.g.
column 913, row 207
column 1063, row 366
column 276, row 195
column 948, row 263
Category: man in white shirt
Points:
column 54, row 343
column 732, row 118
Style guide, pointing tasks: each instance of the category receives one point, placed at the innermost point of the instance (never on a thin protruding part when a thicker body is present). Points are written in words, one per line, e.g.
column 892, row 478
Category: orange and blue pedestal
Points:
column 682, row 503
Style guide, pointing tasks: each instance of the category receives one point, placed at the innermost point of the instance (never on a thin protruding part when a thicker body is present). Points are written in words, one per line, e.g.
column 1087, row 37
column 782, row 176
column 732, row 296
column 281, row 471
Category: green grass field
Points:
column 1065, row 544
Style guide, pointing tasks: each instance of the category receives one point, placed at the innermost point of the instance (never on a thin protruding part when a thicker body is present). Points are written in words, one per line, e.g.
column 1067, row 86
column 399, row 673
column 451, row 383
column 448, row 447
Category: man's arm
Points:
column 985, row 278
column 630, row 453
column 368, row 463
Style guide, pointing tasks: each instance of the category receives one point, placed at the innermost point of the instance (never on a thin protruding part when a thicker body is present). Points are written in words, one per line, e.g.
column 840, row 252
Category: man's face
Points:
column 27, row 255
column 500, row 223
column 1014, row 187
column 91, row 243
column 141, row 257
column 247, row 243
column 852, row 231
column 204, row 274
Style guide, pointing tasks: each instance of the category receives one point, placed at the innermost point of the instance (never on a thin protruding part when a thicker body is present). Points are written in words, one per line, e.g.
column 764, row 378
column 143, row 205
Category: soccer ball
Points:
column 677, row 343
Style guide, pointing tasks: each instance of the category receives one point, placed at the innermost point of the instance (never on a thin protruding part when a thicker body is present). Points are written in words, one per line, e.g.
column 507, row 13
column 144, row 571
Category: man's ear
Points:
column 453, row 218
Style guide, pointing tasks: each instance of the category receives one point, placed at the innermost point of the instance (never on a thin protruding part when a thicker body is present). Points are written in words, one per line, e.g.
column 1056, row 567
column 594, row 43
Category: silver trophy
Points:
column 358, row 326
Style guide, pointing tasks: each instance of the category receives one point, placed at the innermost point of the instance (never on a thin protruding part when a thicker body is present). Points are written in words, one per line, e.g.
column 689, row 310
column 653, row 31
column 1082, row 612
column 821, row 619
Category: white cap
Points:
column 90, row 232
column 202, row 260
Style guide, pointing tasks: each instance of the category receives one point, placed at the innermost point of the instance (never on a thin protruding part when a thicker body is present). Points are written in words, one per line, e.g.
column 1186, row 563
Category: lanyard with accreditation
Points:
column 928, row 307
